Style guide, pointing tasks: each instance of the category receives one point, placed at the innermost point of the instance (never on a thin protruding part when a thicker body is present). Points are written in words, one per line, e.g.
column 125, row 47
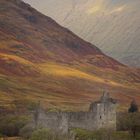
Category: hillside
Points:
column 40, row 60
column 112, row 25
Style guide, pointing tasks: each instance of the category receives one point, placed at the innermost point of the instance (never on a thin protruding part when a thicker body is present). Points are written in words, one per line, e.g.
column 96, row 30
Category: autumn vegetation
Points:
column 17, row 125
column 41, row 60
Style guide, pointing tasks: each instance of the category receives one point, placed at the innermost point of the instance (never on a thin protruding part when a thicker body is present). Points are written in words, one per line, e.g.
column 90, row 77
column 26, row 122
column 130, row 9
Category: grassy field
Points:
column 92, row 136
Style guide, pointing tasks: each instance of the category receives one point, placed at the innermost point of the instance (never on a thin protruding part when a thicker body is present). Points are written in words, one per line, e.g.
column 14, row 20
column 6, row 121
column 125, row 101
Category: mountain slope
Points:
column 112, row 25
column 40, row 60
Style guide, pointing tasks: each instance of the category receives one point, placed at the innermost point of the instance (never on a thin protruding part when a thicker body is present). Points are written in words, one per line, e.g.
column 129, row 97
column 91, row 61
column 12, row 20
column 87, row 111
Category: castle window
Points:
column 100, row 117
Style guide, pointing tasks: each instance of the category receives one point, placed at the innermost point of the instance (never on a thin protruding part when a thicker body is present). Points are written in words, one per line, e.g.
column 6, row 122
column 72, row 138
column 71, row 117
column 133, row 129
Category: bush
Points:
column 42, row 134
column 26, row 132
column 103, row 134
column 1, row 135
column 133, row 107
column 46, row 134
column 10, row 125
column 130, row 122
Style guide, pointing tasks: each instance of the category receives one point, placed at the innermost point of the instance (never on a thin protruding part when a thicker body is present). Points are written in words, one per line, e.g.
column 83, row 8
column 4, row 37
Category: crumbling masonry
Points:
column 101, row 114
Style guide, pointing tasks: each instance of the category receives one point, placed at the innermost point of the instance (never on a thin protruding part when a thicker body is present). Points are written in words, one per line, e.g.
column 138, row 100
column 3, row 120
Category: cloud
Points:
column 118, row 9
column 107, row 7
column 95, row 6
column 94, row 9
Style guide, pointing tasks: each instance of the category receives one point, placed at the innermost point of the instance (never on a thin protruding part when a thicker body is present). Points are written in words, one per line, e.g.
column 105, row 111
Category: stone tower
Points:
column 105, row 110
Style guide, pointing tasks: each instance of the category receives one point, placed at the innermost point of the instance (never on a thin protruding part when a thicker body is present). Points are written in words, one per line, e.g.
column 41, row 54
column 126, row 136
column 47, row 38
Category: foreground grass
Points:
column 104, row 135
column 77, row 134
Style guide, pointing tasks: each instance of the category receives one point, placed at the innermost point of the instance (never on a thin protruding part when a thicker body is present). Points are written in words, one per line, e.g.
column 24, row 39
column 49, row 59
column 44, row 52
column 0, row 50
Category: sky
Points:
column 52, row 7
column 43, row 4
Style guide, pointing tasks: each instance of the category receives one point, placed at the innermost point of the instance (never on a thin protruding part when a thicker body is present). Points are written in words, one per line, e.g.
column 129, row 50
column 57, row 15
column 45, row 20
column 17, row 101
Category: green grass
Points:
column 104, row 135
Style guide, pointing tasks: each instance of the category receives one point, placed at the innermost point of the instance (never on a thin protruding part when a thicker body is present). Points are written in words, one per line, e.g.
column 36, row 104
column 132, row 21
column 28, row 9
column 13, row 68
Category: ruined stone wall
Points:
column 64, row 121
column 101, row 114
column 84, row 120
column 57, row 121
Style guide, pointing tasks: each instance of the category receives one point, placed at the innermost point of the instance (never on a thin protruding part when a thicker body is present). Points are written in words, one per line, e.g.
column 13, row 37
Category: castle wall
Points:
column 64, row 121
column 101, row 114
column 84, row 120
column 54, row 120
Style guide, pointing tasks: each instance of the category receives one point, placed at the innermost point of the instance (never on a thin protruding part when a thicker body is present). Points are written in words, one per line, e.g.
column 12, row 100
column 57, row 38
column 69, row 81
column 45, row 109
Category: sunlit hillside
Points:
column 42, row 61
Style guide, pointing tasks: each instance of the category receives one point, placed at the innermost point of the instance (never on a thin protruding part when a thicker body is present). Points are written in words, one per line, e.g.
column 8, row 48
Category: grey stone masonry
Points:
column 101, row 114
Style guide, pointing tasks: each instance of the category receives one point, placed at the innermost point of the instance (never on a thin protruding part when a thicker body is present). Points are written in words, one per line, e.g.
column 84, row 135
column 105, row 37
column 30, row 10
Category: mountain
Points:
column 43, row 61
column 112, row 25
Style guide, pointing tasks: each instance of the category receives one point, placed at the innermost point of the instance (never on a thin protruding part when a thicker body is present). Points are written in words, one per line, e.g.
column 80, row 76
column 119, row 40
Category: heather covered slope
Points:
column 40, row 60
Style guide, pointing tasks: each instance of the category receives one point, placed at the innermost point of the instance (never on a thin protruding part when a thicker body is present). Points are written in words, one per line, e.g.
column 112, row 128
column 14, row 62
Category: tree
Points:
column 133, row 107
column 133, row 118
column 131, row 121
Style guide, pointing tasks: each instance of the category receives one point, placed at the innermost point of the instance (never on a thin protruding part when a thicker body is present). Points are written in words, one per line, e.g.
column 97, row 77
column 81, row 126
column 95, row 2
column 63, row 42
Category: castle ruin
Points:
column 101, row 114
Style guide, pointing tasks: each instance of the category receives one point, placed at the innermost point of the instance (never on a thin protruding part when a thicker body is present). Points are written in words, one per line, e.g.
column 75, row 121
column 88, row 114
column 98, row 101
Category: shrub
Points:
column 81, row 134
column 130, row 122
column 26, row 132
column 10, row 125
column 1, row 135
column 133, row 107
column 46, row 134
column 103, row 134
column 42, row 134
